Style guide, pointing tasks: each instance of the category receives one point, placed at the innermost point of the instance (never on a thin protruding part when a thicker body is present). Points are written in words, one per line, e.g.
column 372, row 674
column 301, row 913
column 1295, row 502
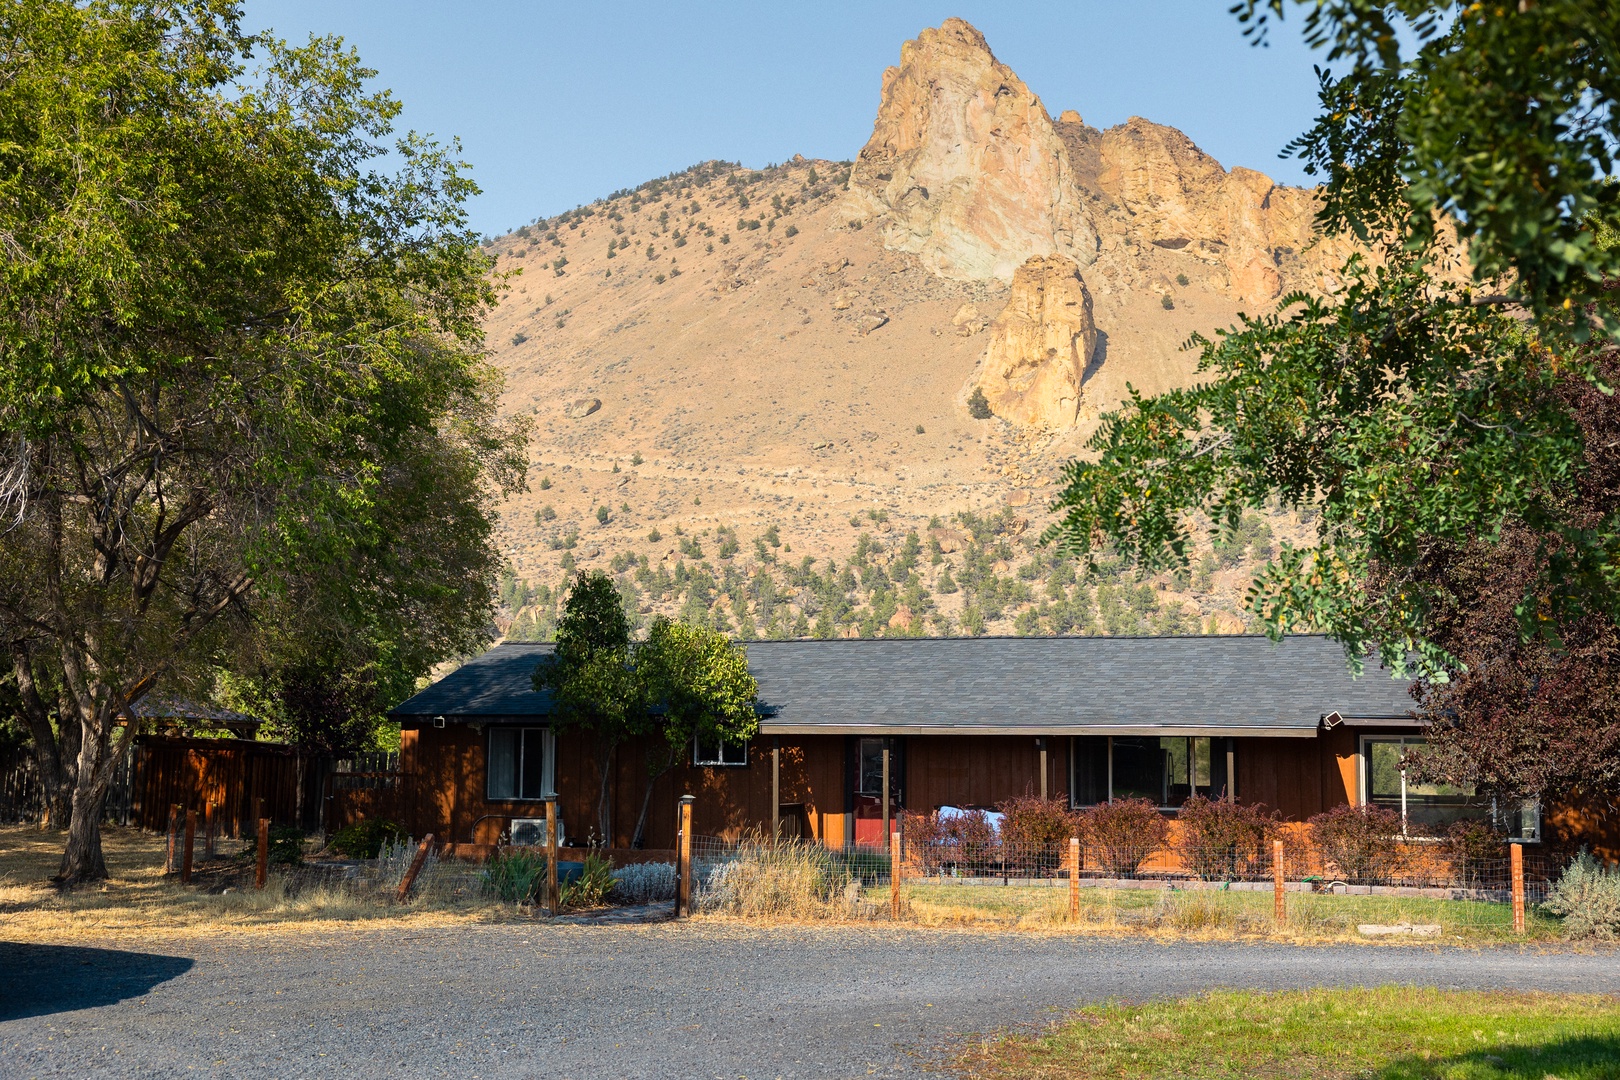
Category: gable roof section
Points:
column 498, row 683
column 1237, row 685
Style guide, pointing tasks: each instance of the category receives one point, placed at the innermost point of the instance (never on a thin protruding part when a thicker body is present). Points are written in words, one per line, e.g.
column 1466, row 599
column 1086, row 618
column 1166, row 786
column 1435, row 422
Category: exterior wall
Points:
column 445, row 791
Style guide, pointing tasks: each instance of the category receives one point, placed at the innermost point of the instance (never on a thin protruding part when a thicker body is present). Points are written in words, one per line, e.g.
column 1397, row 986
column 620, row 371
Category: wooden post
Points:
column 1231, row 772
column 173, row 862
column 261, row 870
column 210, row 823
column 894, row 875
column 1041, row 743
column 258, row 808
column 683, row 858
column 885, row 795
column 1516, row 856
column 1074, row 879
column 415, row 868
column 191, row 841
column 1279, row 903
column 553, row 892
column 776, row 788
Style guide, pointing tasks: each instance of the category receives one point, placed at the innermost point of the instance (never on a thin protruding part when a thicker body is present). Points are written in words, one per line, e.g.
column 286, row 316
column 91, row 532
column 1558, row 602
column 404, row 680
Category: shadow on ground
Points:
column 1590, row 1056
column 39, row 980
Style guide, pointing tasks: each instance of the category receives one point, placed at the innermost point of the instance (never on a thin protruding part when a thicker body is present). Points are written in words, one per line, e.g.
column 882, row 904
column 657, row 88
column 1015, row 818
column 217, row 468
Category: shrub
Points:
column 636, row 458
column 286, row 845
column 644, row 883
column 593, row 885
column 602, row 515
column 1031, row 821
column 654, row 536
column 977, row 406
column 791, row 230
column 967, row 836
column 1122, row 834
column 364, row 839
column 1167, row 303
column 513, row 875
column 1358, row 842
column 1587, row 895
column 1471, row 845
column 519, row 338
column 1181, row 279
column 1224, row 840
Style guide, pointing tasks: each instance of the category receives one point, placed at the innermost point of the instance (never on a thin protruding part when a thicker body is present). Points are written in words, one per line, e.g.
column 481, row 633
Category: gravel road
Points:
column 692, row 1000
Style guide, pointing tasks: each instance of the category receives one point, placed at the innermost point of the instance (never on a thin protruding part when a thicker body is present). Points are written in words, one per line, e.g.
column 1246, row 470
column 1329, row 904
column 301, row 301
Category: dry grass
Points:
column 138, row 899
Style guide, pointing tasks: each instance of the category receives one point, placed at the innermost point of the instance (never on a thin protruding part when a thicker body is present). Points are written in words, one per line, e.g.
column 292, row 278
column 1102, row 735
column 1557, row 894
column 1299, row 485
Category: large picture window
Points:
column 519, row 765
column 1166, row 769
column 1424, row 808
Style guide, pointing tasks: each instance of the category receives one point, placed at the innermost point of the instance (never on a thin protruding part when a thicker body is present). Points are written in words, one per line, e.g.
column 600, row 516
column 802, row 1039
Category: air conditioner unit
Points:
column 531, row 832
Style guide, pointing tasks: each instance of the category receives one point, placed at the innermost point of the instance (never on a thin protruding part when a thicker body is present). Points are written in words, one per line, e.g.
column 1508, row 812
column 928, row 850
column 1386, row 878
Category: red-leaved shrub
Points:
column 1473, row 847
column 1031, row 821
column 1225, row 841
column 1122, row 834
column 1357, row 843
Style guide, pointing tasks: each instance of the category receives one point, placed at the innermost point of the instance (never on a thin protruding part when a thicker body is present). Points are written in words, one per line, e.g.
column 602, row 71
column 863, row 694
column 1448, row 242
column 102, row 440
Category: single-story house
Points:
column 963, row 722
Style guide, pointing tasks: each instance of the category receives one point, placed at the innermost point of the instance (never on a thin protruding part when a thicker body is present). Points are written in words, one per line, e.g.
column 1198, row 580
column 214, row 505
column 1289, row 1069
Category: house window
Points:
column 519, row 765
column 719, row 752
column 1424, row 808
column 870, row 777
column 1167, row 769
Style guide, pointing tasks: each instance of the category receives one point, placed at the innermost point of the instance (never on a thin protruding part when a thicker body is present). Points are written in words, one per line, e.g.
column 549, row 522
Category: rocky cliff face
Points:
column 1040, row 345
column 964, row 168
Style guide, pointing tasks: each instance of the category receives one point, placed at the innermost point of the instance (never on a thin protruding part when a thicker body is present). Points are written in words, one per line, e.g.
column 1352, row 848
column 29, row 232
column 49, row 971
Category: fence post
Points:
column 1280, row 905
column 210, row 822
column 683, row 858
column 415, row 868
column 261, row 869
column 553, row 893
column 191, row 841
column 894, row 873
column 1516, row 859
column 1074, row 879
column 173, row 862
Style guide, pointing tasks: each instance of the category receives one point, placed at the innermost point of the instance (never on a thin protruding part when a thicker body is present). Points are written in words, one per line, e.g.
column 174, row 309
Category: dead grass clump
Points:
column 760, row 879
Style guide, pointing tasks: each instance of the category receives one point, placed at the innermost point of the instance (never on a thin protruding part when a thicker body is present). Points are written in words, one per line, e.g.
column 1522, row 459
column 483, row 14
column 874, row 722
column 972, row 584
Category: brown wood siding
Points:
column 980, row 770
column 230, row 774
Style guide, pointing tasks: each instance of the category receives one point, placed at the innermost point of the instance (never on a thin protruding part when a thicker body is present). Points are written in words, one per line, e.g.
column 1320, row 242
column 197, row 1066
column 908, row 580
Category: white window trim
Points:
column 702, row 763
column 548, row 771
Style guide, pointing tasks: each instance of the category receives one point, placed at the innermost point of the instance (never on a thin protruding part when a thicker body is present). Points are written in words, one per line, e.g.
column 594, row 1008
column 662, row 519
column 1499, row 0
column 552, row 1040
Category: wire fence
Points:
column 1410, row 888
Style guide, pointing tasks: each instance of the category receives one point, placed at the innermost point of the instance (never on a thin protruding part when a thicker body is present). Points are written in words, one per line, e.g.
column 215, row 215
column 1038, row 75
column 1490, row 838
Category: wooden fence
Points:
column 239, row 778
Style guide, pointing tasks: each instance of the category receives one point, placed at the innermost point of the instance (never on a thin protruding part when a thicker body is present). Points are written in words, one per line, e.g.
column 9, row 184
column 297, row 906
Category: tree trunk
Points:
column 604, row 817
column 82, row 860
column 646, row 799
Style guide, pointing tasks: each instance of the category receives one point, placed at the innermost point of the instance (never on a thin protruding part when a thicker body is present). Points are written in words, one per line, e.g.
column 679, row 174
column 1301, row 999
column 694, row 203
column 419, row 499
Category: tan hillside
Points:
column 726, row 356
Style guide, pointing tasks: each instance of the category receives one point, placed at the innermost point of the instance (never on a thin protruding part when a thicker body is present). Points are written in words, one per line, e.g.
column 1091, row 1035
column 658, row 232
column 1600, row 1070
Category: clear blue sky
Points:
column 557, row 104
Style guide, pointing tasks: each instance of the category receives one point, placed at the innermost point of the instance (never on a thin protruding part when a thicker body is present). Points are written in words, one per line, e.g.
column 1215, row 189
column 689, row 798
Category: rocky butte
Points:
column 725, row 352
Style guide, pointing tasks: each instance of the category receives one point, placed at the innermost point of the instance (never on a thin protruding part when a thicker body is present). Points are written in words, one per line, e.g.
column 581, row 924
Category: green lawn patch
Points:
column 1389, row 1033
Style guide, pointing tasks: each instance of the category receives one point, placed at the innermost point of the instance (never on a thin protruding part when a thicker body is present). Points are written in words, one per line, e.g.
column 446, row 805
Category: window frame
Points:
column 1217, row 749
column 548, row 765
column 699, row 762
column 1527, row 814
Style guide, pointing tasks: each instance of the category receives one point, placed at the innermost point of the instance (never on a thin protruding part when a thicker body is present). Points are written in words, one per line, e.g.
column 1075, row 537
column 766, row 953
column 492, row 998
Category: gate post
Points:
column 1074, row 879
column 1279, row 903
column 683, row 858
column 1516, row 857
column 191, row 841
column 894, row 870
column 553, row 894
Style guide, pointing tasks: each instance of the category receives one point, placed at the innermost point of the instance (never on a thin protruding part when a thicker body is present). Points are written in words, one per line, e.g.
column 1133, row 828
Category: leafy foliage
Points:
column 366, row 838
column 1587, row 895
column 1123, row 833
column 1358, row 841
column 242, row 381
column 1224, row 841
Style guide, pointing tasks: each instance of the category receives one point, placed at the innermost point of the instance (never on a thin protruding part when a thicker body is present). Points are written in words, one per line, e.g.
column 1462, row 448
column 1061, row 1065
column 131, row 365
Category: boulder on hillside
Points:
column 1040, row 345
column 581, row 407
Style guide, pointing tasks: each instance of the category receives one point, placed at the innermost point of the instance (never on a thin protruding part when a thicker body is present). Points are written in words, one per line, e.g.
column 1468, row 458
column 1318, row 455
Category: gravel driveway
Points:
column 691, row 1000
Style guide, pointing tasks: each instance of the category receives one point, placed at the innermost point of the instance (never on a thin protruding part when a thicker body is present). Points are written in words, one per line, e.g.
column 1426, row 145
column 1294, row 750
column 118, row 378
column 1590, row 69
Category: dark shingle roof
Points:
column 494, row 684
column 1230, row 685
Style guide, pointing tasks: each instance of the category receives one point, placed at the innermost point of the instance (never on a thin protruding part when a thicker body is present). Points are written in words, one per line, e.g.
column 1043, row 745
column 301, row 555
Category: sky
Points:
column 557, row 104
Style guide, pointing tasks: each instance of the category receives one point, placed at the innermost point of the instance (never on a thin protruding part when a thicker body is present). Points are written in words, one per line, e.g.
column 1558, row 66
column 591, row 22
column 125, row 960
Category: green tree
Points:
column 1416, row 406
column 227, row 343
column 592, row 681
column 699, row 688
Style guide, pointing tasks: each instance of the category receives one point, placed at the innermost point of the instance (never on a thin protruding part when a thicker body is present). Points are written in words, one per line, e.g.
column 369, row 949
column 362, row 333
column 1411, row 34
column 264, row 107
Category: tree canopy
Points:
column 1423, row 408
column 242, row 381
